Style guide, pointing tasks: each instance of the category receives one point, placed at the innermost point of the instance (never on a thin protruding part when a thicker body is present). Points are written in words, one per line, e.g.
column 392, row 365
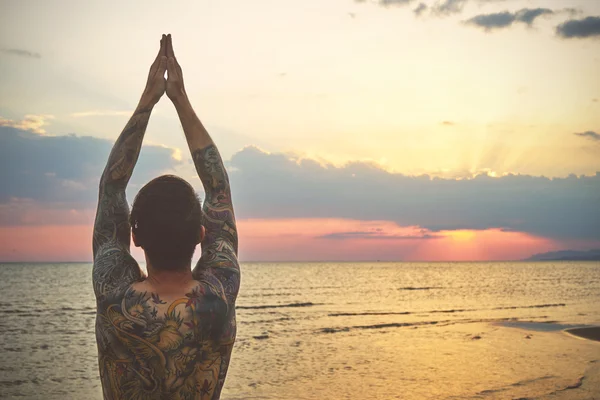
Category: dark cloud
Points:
column 492, row 21
column 505, row 19
column 64, row 169
column 21, row 53
column 275, row 186
column 442, row 8
column 579, row 28
column 589, row 134
column 528, row 15
column 447, row 7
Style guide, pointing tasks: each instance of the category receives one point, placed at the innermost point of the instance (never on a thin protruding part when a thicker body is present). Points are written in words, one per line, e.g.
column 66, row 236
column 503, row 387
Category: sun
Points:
column 462, row 235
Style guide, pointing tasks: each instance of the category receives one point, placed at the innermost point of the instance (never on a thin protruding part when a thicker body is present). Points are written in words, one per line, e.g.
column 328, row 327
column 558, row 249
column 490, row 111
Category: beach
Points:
column 341, row 331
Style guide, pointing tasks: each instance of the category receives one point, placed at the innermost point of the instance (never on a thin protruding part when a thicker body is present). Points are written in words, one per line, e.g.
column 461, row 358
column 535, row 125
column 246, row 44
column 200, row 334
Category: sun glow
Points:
column 461, row 235
column 304, row 240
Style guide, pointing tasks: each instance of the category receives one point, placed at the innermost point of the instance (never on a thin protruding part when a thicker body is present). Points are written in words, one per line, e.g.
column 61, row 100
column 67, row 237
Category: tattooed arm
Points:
column 113, row 265
column 220, row 246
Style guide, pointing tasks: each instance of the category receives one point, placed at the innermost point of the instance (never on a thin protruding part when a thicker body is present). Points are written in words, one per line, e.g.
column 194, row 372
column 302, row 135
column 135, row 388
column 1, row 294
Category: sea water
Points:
column 335, row 330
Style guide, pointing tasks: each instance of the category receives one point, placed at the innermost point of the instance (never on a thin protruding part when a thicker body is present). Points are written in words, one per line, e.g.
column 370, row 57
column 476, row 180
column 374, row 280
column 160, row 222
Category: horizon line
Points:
column 310, row 261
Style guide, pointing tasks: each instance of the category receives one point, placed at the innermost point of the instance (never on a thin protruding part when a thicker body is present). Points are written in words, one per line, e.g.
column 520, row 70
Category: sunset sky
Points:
column 353, row 130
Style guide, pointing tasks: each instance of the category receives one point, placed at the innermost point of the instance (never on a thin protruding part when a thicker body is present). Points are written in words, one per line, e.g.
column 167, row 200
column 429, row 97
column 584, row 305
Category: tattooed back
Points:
column 168, row 345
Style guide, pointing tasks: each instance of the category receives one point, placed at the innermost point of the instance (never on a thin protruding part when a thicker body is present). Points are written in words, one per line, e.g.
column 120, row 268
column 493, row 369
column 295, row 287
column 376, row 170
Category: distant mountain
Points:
column 567, row 255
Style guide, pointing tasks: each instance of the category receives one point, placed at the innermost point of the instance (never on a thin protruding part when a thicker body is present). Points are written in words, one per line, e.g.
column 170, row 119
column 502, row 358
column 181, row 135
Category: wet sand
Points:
column 583, row 387
column 586, row 387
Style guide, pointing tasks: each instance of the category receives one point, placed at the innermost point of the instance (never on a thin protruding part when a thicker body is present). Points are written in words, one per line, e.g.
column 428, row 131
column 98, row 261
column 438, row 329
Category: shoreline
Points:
column 587, row 332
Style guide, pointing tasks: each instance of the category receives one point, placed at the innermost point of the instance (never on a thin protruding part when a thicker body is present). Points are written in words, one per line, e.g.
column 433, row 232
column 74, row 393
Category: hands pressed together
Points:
column 157, row 85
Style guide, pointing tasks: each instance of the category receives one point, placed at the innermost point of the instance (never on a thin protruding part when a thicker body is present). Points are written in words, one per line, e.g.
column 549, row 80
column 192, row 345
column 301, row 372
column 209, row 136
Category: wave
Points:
column 277, row 294
column 455, row 310
column 516, row 384
column 14, row 382
column 76, row 309
column 267, row 321
column 37, row 381
column 378, row 326
column 421, row 288
column 307, row 304
column 412, row 324
column 449, row 311
column 299, row 288
column 59, row 310
column 369, row 313
column 535, row 306
column 261, row 337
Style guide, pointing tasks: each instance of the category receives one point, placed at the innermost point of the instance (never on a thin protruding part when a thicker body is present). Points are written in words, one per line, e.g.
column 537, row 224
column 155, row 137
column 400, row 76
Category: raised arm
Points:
column 113, row 265
column 220, row 246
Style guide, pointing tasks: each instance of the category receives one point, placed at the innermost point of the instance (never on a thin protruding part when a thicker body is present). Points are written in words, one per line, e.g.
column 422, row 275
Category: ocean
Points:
column 337, row 331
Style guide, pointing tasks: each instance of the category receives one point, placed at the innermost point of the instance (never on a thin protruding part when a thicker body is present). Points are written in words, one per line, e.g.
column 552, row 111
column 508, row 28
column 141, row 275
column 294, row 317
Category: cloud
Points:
column 505, row 19
column 579, row 28
column 63, row 172
column 492, row 21
column 448, row 123
column 387, row 3
column 421, row 8
column 376, row 235
column 443, row 8
column 448, row 7
column 572, row 11
column 276, row 186
column 589, row 134
column 528, row 15
column 373, row 230
column 21, row 53
column 101, row 113
column 47, row 175
column 28, row 212
column 31, row 123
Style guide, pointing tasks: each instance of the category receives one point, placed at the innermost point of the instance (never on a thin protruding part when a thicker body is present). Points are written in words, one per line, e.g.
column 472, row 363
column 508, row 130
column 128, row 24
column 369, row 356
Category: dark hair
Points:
column 166, row 218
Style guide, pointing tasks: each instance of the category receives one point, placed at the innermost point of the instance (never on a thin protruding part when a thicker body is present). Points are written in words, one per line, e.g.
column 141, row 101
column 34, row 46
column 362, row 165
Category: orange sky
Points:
column 302, row 240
